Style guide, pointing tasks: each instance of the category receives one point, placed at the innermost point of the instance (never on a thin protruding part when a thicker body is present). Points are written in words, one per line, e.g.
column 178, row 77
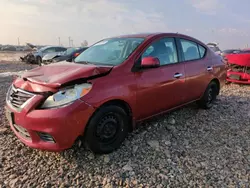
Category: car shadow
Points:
column 181, row 129
column 180, row 142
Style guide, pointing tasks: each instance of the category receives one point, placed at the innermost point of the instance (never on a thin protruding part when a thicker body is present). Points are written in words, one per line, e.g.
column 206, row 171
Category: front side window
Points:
column 164, row 50
column 109, row 51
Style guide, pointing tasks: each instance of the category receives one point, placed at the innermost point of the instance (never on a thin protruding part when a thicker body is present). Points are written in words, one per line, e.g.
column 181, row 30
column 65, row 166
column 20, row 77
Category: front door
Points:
column 162, row 88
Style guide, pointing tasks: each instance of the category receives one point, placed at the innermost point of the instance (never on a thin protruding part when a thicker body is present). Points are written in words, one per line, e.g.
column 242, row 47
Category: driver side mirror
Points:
column 150, row 62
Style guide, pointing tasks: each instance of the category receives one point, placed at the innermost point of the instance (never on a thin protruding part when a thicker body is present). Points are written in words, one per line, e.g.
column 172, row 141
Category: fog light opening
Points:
column 46, row 137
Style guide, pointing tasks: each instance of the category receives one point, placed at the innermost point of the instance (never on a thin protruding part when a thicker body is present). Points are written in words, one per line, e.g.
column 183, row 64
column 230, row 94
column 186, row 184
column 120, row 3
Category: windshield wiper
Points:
column 82, row 62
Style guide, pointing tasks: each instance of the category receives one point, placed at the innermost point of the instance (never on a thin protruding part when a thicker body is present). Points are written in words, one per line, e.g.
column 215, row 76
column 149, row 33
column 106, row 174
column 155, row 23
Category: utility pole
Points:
column 72, row 43
column 59, row 41
column 69, row 41
column 18, row 41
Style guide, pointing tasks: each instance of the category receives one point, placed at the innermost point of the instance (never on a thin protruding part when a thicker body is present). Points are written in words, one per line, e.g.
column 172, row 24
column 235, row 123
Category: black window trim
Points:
column 192, row 41
column 137, row 63
column 200, row 52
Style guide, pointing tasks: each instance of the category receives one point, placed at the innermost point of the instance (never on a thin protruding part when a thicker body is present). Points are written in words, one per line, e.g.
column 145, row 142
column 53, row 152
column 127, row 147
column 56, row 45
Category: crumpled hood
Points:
column 54, row 75
column 239, row 59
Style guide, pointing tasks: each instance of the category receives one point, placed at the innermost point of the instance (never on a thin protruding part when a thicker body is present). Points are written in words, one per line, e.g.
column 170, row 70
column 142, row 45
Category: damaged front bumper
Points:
column 238, row 74
column 49, row 129
column 29, row 58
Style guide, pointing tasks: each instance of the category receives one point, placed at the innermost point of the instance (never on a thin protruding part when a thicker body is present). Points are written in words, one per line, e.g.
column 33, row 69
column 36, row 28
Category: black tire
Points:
column 106, row 130
column 206, row 102
column 39, row 61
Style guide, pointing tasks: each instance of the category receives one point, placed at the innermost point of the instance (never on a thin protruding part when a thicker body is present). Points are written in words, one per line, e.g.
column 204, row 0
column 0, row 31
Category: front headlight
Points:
column 67, row 96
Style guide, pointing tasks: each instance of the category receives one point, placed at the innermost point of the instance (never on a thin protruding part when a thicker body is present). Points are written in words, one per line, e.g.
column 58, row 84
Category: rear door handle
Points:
column 177, row 75
column 209, row 68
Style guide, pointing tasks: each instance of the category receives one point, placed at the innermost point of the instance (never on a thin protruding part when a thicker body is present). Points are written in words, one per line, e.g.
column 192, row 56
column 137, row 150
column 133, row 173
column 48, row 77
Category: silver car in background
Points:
column 40, row 53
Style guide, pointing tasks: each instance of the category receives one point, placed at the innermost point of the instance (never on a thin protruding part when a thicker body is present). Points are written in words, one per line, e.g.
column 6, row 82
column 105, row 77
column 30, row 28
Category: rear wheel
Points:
column 107, row 129
column 206, row 102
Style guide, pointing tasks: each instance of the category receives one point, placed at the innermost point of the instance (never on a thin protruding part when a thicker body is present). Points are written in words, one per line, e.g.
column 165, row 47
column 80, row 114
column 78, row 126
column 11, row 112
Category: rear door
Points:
column 196, row 69
column 162, row 88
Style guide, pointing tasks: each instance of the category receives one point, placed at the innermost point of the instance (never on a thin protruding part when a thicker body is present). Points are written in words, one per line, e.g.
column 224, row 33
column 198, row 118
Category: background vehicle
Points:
column 238, row 67
column 40, row 53
column 230, row 51
column 214, row 47
column 70, row 54
column 245, row 51
column 109, row 87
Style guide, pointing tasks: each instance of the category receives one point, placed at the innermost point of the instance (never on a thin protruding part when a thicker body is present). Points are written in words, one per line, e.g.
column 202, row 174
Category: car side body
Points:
column 162, row 72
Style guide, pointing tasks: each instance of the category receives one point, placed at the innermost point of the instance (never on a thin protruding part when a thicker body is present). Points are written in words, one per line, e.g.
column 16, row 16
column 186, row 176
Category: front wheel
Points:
column 39, row 61
column 107, row 129
column 206, row 102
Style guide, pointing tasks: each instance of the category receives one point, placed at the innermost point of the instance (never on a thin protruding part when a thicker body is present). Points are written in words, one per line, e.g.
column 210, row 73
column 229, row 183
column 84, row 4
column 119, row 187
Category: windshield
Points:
column 110, row 51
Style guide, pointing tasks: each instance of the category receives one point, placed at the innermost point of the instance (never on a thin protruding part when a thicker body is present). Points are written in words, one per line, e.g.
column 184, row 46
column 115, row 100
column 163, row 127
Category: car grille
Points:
column 17, row 97
column 46, row 137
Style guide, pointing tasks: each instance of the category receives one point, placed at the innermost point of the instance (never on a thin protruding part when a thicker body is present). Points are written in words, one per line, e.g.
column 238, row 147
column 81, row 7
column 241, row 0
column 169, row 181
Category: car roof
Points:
column 45, row 47
column 149, row 35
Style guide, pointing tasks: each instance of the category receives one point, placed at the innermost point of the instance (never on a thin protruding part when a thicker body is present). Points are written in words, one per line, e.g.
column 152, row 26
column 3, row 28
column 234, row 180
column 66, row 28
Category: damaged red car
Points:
column 109, row 87
column 238, row 67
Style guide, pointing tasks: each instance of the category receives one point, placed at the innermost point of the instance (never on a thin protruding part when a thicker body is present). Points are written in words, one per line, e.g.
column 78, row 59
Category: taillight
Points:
column 76, row 54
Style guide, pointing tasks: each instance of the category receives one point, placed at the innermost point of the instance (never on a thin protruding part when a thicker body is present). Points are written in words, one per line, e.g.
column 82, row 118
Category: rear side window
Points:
column 59, row 49
column 192, row 50
column 202, row 51
column 49, row 50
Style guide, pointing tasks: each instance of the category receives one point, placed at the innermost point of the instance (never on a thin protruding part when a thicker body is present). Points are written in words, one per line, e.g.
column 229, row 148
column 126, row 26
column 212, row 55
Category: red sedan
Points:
column 112, row 85
column 239, row 67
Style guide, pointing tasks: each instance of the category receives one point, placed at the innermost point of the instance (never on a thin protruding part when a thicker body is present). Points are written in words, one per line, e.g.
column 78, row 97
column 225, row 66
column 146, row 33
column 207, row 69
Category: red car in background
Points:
column 239, row 67
column 109, row 87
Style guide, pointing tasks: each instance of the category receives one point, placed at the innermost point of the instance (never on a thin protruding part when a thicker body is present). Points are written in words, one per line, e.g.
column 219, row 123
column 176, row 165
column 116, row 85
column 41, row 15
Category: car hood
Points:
column 51, row 55
column 57, row 74
column 239, row 59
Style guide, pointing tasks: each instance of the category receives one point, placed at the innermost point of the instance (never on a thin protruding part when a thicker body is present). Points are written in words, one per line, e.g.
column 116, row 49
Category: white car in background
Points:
column 215, row 47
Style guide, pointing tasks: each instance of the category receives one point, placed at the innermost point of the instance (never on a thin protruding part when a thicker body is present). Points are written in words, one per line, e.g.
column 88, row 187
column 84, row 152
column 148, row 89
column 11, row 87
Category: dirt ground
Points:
column 189, row 147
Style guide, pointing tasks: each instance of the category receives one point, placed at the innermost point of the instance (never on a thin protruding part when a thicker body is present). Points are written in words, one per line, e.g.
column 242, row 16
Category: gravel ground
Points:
column 185, row 148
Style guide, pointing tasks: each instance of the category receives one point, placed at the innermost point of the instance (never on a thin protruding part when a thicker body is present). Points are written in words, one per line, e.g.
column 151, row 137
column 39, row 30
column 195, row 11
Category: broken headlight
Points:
column 66, row 96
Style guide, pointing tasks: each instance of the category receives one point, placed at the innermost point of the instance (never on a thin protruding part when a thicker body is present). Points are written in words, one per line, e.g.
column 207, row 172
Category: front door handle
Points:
column 177, row 75
column 209, row 68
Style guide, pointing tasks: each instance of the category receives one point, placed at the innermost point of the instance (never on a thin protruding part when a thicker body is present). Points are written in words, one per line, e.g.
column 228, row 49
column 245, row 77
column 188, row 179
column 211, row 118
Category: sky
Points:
column 44, row 21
